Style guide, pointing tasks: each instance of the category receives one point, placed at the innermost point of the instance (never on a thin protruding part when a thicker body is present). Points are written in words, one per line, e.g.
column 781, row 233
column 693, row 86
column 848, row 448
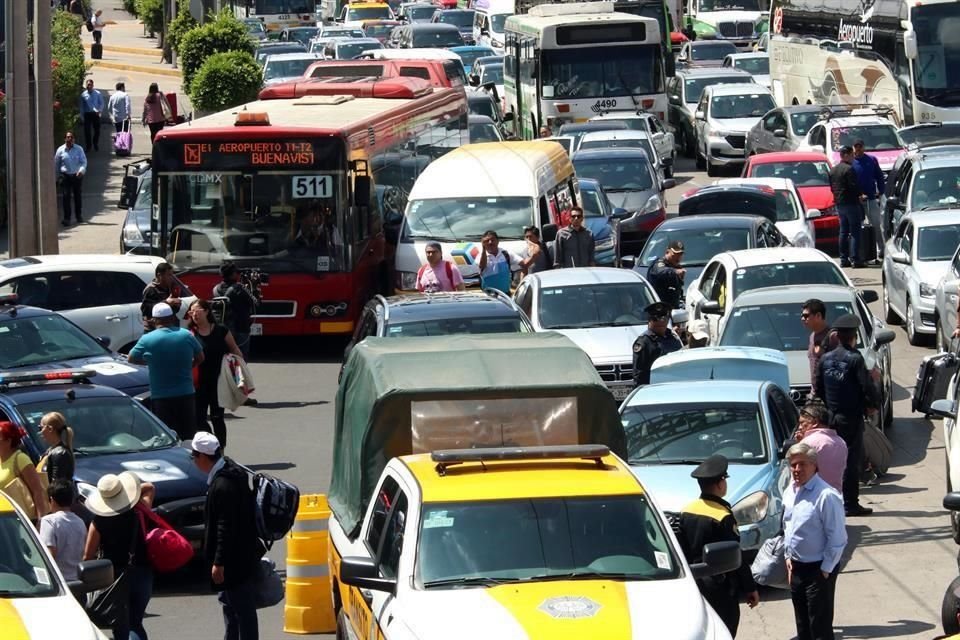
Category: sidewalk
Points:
column 125, row 46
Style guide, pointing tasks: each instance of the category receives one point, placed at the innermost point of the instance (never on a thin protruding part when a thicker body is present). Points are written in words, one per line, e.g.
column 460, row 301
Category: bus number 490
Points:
column 603, row 105
column 312, row 186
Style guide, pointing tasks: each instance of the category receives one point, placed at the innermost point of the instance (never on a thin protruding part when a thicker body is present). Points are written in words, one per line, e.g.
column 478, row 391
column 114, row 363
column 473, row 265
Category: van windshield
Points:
column 453, row 219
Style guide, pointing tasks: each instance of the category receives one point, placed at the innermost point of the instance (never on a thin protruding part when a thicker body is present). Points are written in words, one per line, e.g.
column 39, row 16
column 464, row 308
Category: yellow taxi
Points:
column 35, row 601
column 356, row 13
column 518, row 543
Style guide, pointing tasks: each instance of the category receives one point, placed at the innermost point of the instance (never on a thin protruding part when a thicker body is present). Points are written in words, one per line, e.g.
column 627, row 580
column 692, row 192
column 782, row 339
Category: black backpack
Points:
column 275, row 505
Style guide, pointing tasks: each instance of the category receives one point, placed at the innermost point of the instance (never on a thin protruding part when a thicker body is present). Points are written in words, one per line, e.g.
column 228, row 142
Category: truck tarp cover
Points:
column 400, row 396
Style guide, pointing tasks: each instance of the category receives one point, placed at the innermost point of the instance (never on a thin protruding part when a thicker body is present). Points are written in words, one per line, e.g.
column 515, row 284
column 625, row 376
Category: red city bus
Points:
column 300, row 189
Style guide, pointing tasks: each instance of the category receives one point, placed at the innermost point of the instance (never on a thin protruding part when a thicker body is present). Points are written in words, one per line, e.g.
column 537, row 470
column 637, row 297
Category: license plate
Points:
column 256, row 329
column 620, row 393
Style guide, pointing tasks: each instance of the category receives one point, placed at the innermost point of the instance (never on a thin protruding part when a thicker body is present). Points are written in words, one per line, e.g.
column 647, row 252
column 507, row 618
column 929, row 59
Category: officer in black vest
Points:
column 844, row 384
column 708, row 519
column 657, row 340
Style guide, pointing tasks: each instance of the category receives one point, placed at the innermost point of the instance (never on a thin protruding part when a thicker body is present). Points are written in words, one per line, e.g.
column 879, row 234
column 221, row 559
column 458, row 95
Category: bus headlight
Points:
column 752, row 509
column 406, row 280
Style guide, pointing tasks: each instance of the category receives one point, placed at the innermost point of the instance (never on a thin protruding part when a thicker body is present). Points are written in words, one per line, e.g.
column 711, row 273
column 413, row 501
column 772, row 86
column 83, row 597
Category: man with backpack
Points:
column 231, row 541
column 438, row 274
column 495, row 264
column 240, row 305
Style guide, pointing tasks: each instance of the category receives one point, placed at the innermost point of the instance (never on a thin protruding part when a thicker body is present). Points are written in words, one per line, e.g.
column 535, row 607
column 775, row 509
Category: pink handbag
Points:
column 166, row 548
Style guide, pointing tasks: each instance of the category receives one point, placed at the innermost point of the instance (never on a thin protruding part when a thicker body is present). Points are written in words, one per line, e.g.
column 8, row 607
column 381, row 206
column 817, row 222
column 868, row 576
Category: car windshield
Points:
column 695, row 86
column 931, row 134
column 801, row 122
column 459, row 219
column 369, row 13
column 431, row 38
column 759, row 65
column 783, row 274
column 618, row 143
column 348, row 50
column 689, row 433
column 773, row 326
column 498, row 21
column 255, row 27
column 102, row 426
column 600, row 72
column 617, row 175
column 746, row 105
column 144, row 193
column 483, row 107
column 700, row 245
column 937, row 243
column 618, row 304
column 278, row 49
column 458, row 18
column 455, row 325
column 876, row 137
column 492, row 73
column 379, row 30
column 594, row 205
column 26, row 341
column 305, row 35
column 712, row 50
column 613, row 537
column 486, row 132
column 420, row 12
column 286, row 68
column 803, row 173
column 470, row 55
column 24, row 572
column 934, row 188
column 743, row 201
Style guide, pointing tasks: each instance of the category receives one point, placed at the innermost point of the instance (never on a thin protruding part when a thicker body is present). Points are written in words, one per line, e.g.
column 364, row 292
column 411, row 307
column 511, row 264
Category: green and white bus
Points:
column 572, row 61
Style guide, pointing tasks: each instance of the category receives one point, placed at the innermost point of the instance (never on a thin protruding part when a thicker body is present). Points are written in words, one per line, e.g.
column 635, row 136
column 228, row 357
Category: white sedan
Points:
column 756, row 64
column 793, row 221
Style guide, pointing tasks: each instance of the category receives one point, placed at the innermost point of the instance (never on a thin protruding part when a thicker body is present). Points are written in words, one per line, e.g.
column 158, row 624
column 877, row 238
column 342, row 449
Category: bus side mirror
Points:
column 128, row 190
column 361, row 191
column 910, row 44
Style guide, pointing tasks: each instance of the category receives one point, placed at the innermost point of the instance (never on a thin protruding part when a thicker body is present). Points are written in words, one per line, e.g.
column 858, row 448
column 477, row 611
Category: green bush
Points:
column 220, row 34
column 69, row 71
column 130, row 6
column 225, row 80
column 180, row 25
column 150, row 13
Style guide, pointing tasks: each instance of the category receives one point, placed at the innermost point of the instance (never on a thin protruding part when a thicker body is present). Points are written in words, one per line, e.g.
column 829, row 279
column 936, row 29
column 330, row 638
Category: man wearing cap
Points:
column 844, row 384
column 848, row 197
column 230, row 540
column 657, row 340
column 666, row 276
column 170, row 353
column 870, row 179
column 708, row 519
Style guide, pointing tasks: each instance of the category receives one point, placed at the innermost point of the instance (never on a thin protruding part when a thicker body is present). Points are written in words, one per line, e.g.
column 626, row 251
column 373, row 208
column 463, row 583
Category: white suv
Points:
column 724, row 115
column 100, row 293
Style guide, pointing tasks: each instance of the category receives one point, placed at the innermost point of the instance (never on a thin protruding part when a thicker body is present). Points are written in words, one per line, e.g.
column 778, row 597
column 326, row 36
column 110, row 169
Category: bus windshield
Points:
column 937, row 72
column 265, row 7
column 603, row 71
column 456, row 219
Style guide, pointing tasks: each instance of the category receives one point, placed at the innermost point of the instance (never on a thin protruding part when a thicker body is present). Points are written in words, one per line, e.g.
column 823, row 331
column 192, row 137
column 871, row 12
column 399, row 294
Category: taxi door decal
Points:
column 11, row 623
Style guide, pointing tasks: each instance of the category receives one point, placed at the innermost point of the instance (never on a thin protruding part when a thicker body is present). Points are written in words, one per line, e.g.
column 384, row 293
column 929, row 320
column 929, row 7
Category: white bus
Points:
column 277, row 14
column 888, row 52
column 570, row 62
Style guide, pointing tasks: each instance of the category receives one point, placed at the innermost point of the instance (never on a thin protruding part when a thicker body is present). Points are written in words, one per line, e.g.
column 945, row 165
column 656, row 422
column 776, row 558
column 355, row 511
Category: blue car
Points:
column 672, row 427
column 112, row 433
column 603, row 222
column 469, row 54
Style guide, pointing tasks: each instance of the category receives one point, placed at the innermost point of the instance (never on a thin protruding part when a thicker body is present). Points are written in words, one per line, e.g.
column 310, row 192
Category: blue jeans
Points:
column 851, row 228
column 240, row 611
column 140, row 582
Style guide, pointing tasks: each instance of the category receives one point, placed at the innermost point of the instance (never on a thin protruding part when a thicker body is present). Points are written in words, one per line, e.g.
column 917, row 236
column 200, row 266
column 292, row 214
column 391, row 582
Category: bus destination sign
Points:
column 240, row 155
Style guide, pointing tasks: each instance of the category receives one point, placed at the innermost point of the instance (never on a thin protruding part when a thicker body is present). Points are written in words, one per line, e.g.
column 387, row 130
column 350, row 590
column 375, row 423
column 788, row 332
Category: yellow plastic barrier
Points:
column 309, row 608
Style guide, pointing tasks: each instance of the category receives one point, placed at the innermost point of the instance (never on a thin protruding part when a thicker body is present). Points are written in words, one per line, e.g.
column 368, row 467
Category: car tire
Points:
column 948, row 609
column 886, row 403
column 914, row 338
column 701, row 161
column 668, row 171
column 711, row 169
column 954, row 515
column 888, row 314
column 689, row 144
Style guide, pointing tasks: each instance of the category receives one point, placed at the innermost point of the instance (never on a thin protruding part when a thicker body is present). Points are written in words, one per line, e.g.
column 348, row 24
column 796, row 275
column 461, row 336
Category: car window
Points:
column 866, row 319
column 770, row 122
column 116, row 287
column 32, row 290
column 392, row 543
column 907, row 243
column 381, row 509
column 706, row 280
column 786, row 415
column 525, row 299
column 24, row 572
column 719, row 289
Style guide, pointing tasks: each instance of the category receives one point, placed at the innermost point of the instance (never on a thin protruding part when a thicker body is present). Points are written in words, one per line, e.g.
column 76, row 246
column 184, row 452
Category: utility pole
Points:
column 20, row 146
column 47, row 218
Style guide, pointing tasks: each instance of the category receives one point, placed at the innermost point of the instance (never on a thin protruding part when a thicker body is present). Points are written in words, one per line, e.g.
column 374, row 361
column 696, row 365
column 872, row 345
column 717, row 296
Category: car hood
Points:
column 54, row 617
column 170, row 470
column 112, row 371
column 599, row 227
column 606, row 345
column 820, row 197
column 799, row 365
column 632, row 200
column 930, row 272
column 674, row 490
column 560, row 609
column 735, row 126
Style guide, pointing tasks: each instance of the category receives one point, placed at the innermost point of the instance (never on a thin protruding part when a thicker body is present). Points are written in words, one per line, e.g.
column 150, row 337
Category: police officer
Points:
column 657, row 340
column 666, row 276
column 844, row 384
column 708, row 519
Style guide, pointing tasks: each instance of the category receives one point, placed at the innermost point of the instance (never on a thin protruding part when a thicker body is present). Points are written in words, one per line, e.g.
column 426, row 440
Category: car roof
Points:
column 364, row 40
column 22, row 311
column 947, row 155
column 511, row 480
column 864, row 120
column 774, row 255
column 615, row 134
column 438, row 306
column 803, row 108
column 748, row 54
column 723, row 220
column 589, row 184
column 711, row 43
column 787, row 156
column 434, row 26
column 737, row 89
column 933, row 217
column 586, row 276
column 701, row 72
column 797, row 293
column 697, row 392
column 43, row 392
column 281, row 57
column 773, row 183
column 77, row 259
column 612, row 153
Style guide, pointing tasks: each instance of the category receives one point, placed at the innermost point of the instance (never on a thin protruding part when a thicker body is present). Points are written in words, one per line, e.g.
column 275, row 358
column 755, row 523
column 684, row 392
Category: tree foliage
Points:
column 69, row 71
column 180, row 25
column 150, row 13
column 221, row 34
column 226, row 80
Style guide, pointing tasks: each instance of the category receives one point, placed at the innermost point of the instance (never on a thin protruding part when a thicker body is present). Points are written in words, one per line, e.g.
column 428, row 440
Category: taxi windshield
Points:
column 773, row 326
column 101, row 426
column 24, row 572
column 689, row 433
column 785, row 274
column 613, row 537
column 876, row 137
column 619, row 304
column 31, row 341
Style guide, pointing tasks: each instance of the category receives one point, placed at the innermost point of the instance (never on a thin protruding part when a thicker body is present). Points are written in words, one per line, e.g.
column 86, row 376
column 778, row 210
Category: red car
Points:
column 380, row 29
column 810, row 173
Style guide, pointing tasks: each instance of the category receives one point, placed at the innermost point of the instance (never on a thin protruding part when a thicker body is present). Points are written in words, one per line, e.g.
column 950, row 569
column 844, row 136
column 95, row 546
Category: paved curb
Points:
column 137, row 51
column 122, row 66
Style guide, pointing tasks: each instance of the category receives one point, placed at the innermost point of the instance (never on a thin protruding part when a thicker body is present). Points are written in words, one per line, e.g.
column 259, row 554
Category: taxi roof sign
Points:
column 252, row 119
column 446, row 458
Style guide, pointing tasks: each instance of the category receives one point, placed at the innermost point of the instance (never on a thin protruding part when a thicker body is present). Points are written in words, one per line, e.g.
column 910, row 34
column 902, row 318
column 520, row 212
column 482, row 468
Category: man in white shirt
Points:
column 62, row 531
column 119, row 107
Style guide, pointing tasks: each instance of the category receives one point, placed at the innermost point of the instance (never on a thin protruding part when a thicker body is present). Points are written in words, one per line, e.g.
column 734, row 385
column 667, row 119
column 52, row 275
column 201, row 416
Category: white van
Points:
column 503, row 186
column 488, row 21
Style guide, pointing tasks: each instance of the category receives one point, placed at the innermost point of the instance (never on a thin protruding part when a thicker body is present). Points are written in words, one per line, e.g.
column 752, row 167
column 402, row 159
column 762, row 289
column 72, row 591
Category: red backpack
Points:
column 166, row 549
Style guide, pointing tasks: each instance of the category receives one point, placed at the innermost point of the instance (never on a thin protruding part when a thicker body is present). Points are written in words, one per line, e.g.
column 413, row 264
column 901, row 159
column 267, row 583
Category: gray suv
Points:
column 683, row 93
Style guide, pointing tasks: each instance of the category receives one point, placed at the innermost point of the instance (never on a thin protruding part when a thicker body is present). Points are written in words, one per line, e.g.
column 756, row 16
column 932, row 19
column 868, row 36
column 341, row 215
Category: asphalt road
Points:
column 899, row 560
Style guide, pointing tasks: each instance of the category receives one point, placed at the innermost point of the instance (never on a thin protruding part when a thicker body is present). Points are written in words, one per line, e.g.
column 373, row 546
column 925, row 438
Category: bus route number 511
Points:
column 312, row 186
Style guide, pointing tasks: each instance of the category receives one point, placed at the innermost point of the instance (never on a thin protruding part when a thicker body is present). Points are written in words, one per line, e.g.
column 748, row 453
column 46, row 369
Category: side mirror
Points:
column 699, row 115
column 362, row 573
column 93, row 575
column 711, row 308
column 674, row 100
column 679, row 316
column 549, row 232
column 128, row 191
column 910, row 47
column 944, row 409
column 900, row 257
column 884, row 336
column 869, row 295
column 894, row 202
column 779, row 133
column 474, row 80
column 508, row 116
column 718, row 557
column 813, row 213
column 628, row 262
column 484, row 32
column 619, row 213
column 361, row 191
column 103, row 341
column 951, row 502
column 668, row 183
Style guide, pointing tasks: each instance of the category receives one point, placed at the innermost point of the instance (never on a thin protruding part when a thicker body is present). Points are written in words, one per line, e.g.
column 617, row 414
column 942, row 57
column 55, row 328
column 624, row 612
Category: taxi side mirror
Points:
column 718, row 557
column 363, row 574
column 93, row 575
column 711, row 308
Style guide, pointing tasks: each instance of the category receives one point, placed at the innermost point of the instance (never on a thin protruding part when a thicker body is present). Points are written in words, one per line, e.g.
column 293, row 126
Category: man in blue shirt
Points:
column 91, row 106
column 170, row 353
column 870, row 179
column 69, row 166
column 814, row 538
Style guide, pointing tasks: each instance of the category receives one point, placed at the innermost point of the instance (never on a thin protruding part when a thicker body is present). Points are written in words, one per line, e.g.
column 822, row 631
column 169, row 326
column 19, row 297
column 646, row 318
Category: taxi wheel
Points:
column 948, row 610
column 342, row 626
column 954, row 516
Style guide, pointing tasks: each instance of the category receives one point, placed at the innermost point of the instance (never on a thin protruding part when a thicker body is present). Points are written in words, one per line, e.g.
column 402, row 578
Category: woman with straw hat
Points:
column 116, row 535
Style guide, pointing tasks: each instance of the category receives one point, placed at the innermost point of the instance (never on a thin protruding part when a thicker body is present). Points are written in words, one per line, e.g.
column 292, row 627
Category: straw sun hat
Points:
column 115, row 494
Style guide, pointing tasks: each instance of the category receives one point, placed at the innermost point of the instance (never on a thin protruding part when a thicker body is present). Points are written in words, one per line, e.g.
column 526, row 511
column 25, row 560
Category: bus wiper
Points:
column 483, row 581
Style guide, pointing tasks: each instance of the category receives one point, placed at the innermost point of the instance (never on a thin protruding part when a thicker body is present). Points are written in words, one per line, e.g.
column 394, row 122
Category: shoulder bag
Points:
column 110, row 607
column 167, row 550
column 18, row 490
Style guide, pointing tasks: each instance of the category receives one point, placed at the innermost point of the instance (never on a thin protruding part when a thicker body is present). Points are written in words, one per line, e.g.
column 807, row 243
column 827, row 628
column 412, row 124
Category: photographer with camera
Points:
column 242, row 295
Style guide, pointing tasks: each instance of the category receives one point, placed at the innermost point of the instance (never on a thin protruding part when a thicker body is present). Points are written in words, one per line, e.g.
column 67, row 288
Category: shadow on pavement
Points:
column 289, row 405
column 271, row 466
column 894, row 628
